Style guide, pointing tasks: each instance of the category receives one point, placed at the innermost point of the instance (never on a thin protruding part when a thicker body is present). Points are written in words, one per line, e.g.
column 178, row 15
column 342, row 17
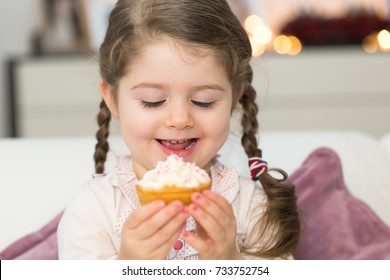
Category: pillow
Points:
column 336, row 225
column 39, row 245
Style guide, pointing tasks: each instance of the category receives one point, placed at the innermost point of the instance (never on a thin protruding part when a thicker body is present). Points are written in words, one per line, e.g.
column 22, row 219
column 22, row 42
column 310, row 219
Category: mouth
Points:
column 178, row 144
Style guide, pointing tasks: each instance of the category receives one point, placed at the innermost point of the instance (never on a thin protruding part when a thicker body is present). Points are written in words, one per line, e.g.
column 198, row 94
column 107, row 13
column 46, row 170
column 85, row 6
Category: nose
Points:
column 179, row 117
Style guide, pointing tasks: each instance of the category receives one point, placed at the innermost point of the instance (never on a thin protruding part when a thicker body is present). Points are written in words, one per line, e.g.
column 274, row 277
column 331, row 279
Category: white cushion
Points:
column 384, row 141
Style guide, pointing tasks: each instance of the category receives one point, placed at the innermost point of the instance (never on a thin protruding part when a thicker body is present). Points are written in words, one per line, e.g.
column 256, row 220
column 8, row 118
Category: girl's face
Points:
column 173, row 102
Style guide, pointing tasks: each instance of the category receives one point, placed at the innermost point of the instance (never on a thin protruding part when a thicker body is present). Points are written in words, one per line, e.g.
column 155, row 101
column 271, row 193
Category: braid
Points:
column 249, row 123
column 281, row 215
column 102, row 147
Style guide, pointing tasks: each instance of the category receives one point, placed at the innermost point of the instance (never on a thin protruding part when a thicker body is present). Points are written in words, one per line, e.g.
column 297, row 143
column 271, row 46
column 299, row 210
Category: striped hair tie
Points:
column 257, row 166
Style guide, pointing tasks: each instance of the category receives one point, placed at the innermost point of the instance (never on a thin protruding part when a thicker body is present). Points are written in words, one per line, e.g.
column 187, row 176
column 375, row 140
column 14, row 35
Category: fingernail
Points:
column 194, row 207
column 178, row 205
column 197, row 196
column 160, row 203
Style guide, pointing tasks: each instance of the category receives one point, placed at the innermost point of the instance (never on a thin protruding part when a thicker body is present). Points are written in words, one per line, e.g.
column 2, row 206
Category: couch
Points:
column 342, row 180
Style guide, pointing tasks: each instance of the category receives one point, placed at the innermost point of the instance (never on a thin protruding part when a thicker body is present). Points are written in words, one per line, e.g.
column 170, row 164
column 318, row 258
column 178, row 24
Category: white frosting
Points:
column 174, row 172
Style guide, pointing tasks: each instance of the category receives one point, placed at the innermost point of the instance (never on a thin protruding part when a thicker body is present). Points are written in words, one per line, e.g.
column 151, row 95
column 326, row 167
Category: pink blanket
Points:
column 40, row 245
column 336, row 225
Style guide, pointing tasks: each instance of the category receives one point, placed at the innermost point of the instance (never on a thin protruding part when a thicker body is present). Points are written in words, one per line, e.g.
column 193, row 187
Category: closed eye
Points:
column 147, row 104
column 205, row 105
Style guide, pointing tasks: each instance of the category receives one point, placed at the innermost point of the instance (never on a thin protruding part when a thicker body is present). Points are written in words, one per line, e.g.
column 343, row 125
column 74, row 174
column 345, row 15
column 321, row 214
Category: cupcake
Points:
column 171, row 180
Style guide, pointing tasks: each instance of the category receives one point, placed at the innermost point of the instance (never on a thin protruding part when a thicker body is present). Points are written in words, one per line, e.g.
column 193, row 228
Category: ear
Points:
column 108, row 95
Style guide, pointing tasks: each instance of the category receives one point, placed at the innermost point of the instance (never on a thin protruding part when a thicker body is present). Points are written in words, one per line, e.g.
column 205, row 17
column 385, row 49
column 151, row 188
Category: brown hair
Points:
column 209, row 24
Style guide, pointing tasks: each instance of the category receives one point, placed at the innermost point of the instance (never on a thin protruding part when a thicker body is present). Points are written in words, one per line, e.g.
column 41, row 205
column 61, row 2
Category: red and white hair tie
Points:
column 257, row 166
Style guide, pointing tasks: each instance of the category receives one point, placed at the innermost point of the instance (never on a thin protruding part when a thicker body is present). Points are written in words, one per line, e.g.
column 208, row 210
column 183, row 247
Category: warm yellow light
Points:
column 384, row 39
column 260, row 49
column 252, row 22
column 262, row 35
column 370, row 43
column 296, row 46
column 257, row 49
column 282, row 44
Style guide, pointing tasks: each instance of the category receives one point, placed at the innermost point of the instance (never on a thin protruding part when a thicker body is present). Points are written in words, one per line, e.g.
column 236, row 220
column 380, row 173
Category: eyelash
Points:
column 153, row 105
column 203, row 105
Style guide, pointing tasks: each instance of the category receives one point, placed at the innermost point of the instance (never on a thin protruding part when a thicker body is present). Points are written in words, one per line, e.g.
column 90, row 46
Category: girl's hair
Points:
column 212, row 25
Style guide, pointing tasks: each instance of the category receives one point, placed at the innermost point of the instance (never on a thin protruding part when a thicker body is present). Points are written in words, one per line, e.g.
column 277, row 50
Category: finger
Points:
column 212, row 227
column 220, row 200
column 174, row 225
column 154, row 247
column 170, row 231
column 144, row 213
column 155, row 223
column 215, row 206
column 202, row 245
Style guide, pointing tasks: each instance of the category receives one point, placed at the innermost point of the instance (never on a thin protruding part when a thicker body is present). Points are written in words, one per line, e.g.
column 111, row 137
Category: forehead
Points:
column 188, row 52
column 176, row 66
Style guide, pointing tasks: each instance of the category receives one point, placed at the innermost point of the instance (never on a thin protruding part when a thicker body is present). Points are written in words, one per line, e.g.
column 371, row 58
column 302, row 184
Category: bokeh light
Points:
column 282, row 44
column 262, row 35
column 252, row 22
column 296, row 45
column 370, row 43
column 263, row 39
column 384, row 40
column 257, row 49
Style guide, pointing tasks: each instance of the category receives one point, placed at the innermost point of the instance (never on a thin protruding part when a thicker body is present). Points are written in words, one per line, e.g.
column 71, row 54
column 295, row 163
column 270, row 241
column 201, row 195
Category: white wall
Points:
column 18, row 20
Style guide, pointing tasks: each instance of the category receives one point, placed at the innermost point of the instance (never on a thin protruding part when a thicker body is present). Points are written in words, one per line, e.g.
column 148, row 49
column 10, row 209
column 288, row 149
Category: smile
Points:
column 178, row 144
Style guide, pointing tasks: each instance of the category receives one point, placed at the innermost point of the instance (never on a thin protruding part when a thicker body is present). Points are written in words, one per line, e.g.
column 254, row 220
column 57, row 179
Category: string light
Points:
column 261, row 38
column 252, row 22
column 296, row 45
column 384, row 40
column 370, row 43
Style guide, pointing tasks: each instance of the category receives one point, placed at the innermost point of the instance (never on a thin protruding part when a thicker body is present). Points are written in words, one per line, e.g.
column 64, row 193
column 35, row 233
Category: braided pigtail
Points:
column 281, row 216
column 102, row 147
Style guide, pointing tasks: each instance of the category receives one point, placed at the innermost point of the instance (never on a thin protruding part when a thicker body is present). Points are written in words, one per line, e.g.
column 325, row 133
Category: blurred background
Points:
column 319, row 64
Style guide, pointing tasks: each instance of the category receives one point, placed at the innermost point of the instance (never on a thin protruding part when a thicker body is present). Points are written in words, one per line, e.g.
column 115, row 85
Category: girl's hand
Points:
column 150, row 231
column 216, row 227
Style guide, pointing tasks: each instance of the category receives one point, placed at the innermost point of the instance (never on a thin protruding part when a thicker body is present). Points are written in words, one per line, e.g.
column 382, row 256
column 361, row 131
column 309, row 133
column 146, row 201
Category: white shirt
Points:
column 91, row 225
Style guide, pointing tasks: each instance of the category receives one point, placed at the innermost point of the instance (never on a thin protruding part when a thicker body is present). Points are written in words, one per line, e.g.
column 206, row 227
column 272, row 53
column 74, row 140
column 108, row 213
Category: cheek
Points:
column 218, row 124
column 223, row 130
column 135, row 124
column 137, row 128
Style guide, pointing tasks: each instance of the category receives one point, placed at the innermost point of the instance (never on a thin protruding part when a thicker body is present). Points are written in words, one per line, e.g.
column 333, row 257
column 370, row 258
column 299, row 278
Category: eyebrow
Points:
column 195, row 88
column 149, row 85
column 203, row 87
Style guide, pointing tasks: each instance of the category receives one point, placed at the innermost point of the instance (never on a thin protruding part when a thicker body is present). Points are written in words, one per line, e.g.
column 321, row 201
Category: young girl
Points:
column 172, row 73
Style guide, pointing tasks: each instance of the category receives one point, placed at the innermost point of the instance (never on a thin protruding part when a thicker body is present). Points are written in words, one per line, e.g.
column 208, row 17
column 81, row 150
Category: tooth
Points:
column 178, row 141
column 191, row 144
